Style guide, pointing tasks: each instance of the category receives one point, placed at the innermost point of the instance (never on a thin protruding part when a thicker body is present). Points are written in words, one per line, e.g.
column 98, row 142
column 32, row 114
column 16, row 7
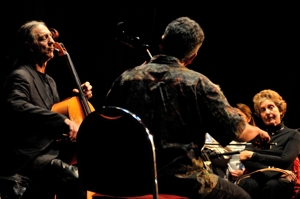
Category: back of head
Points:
column 247, row 111
column 182, row 38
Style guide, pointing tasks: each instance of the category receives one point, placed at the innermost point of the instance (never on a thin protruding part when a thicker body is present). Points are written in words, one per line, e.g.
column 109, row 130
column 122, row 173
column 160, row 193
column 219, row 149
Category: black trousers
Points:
column 273, row 189
column 57, row 178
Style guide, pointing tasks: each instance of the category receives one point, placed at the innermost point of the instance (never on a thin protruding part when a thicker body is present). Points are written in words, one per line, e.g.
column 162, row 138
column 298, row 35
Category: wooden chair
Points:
column 116, row 156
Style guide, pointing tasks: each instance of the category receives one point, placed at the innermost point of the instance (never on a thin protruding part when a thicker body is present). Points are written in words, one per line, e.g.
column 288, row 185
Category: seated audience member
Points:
column 236, row 168
column 270, row 107
column 179, row 105
column 230, row 166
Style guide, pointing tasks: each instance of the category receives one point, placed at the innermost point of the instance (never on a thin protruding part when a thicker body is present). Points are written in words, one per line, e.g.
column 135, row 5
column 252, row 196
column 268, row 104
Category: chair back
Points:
column 116, row 154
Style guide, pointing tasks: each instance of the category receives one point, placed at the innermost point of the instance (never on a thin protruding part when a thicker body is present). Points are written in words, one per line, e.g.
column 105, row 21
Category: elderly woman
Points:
column 270, row 107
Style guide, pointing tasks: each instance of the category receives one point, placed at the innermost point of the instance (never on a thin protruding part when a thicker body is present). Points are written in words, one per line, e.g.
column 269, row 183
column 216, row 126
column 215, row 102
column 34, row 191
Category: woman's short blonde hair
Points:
column 271, row 95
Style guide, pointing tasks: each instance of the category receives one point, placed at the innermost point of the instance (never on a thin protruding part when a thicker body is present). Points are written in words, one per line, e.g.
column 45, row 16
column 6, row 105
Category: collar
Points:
column 275, row 129
column 166, row 59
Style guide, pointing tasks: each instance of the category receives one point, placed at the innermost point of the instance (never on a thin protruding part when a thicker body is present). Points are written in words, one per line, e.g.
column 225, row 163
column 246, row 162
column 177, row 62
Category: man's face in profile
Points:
column 43, row 44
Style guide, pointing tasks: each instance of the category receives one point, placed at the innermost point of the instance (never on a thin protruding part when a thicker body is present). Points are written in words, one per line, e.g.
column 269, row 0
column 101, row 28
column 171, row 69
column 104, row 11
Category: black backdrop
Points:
column 248, row 47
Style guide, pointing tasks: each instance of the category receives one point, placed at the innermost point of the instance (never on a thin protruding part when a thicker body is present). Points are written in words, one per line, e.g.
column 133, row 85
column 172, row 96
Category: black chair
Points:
column 116, row 155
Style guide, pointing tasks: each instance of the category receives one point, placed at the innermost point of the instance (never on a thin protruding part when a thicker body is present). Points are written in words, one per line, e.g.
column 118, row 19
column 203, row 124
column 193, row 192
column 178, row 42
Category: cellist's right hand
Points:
column 73, row 129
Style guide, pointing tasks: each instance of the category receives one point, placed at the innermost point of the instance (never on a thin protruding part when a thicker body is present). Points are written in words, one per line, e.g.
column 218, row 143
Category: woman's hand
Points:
column 290, row 176
column 246, row 155
column 236, row 173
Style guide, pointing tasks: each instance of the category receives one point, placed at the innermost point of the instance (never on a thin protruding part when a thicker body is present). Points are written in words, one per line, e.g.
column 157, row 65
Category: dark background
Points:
column 248, row 47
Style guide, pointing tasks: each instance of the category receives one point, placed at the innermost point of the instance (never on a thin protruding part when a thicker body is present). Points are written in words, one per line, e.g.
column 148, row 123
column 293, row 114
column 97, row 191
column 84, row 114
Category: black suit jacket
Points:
column 31, row 126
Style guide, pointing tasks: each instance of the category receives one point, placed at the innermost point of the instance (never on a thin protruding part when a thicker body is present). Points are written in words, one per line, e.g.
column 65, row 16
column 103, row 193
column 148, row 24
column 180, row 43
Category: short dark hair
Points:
column 182, row 37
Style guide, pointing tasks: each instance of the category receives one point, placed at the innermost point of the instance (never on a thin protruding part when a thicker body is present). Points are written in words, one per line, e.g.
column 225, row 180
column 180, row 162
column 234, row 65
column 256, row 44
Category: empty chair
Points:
column 116, row 155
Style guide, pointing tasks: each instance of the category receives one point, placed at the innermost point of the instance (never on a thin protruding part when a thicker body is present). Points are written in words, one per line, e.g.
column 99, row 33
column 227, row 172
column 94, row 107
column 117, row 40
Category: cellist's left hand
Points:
column 86, row 88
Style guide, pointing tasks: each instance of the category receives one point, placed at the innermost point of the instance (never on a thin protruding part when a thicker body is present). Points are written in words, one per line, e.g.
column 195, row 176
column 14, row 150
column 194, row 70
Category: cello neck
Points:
column 62, row 52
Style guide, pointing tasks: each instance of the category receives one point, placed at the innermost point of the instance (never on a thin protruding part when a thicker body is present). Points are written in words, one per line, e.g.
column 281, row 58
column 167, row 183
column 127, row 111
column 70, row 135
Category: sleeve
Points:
column 289, row 154
column 222, row 121
column 19, row 107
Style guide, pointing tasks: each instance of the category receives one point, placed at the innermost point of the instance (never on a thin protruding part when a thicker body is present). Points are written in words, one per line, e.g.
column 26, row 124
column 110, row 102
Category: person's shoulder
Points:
column 22, row 73
column 292, row 131
column 198, row 78
column 142, row 70
column 132, row 71
column 18, row 76
column 23, row 69
column 20, row 70
column 190, row 72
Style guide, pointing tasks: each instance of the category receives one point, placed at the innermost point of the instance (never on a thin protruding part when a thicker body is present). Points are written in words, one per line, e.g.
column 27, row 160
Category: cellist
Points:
column 28, row 143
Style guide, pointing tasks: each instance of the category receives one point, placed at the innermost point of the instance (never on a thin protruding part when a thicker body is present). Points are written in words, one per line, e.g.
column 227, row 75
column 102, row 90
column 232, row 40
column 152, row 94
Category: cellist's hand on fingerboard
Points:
column 86, row 89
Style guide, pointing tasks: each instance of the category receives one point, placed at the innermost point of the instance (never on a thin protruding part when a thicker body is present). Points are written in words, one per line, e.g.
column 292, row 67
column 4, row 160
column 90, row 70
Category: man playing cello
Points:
column 28, row 143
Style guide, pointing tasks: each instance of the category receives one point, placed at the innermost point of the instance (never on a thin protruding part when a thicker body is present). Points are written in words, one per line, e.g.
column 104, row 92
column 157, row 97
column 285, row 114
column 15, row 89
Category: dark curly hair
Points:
column 182, row 38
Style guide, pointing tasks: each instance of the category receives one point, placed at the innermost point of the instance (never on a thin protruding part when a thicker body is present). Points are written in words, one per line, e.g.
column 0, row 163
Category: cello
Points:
column 76, row 108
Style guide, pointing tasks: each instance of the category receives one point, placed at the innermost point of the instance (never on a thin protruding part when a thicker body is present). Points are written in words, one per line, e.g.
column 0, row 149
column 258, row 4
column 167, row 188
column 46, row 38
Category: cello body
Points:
column 75, row 108
column 72, row 108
